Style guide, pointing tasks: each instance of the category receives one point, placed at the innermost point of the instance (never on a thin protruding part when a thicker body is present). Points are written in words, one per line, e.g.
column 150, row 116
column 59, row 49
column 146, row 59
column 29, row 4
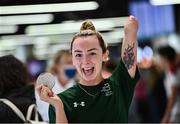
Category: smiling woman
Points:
column 88, row 58
column 95, row 99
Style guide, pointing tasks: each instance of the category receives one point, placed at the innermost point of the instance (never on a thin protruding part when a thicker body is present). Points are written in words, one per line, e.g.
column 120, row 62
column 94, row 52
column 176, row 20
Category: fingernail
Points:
column 132, row 17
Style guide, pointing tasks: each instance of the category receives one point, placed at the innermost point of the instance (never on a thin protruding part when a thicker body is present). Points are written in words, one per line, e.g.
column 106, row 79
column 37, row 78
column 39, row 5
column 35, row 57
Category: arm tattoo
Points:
column 129, row 57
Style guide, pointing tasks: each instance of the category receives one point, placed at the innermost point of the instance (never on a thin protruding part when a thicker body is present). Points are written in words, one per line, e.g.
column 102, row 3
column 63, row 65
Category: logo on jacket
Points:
column 107, row 89
column 76, row 104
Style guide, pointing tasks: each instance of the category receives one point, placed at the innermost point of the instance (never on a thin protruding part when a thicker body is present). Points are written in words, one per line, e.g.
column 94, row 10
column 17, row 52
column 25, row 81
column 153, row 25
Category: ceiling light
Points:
column 65, row 28
column 4, row 29
column 42, row 8
column 26, row 19
column 103, row 24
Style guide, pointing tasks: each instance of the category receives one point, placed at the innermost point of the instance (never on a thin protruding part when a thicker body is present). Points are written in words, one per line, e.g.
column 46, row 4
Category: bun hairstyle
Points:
column 87, row 25
column 88, row 29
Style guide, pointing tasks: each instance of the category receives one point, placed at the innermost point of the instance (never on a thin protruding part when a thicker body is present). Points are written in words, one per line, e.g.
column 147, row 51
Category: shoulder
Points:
column 120, row 70
column 121, row 74
column 9, row 116
column 70, row 92
column 120, row 67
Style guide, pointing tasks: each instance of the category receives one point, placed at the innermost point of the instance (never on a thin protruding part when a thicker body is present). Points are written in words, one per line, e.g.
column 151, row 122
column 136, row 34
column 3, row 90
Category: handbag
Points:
column 18, row 112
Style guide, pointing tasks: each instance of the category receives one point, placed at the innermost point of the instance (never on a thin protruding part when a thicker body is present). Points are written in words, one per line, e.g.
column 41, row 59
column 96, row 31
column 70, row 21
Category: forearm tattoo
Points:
column 129, row 57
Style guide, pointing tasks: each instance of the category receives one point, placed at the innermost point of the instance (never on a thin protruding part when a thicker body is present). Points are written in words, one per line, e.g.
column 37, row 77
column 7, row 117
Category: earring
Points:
column 107, row 58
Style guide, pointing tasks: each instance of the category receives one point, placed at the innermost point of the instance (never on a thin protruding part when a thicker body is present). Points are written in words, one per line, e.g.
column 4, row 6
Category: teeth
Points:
column 88, row 71
column 87, row 68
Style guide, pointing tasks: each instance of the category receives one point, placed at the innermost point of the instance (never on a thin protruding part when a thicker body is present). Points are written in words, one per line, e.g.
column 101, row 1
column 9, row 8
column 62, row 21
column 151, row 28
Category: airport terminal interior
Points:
column 35, row 30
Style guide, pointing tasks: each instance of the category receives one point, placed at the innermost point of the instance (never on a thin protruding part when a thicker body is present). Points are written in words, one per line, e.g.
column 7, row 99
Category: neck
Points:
column 93, row 82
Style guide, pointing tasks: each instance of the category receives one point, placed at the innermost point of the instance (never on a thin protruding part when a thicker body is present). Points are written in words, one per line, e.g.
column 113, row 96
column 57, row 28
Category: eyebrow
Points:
column 87, row 50
column 77, row 51
column 92, row 49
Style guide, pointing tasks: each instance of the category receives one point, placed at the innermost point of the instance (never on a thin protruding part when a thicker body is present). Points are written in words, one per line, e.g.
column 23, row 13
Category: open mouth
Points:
column 88, row 71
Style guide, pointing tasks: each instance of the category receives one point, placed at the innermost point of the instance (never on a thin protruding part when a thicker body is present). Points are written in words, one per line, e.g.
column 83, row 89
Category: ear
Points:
column 106, row 56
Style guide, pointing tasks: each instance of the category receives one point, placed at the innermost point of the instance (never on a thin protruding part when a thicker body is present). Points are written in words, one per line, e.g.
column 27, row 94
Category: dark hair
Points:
column 88, row 29
column 168, row 53
column 110, row 65
column 13, row 73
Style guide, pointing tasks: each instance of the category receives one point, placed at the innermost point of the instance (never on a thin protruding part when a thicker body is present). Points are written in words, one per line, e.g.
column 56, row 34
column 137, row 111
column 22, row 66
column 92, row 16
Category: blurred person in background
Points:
column 169, row 63
column 14, row 86
column 156, row 93
column 64, row 73
column 63, row 70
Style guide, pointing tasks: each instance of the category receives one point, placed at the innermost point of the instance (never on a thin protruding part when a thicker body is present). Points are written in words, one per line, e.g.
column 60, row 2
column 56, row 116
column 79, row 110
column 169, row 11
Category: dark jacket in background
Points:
column 22, row 98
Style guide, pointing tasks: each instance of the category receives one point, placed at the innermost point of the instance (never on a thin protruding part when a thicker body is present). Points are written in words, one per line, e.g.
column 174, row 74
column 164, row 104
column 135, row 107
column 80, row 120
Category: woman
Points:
column 63, row 70
column 95, row 99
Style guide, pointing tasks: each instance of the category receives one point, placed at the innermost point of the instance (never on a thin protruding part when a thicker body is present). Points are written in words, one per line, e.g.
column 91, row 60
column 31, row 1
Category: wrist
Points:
column 130, row 35
column 59, row 105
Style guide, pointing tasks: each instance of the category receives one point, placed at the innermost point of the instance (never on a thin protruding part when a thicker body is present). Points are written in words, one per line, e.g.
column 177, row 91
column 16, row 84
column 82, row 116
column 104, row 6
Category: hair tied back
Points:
column 87, row 25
